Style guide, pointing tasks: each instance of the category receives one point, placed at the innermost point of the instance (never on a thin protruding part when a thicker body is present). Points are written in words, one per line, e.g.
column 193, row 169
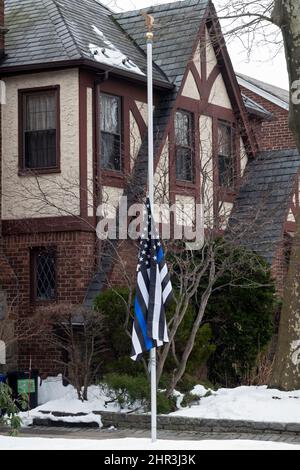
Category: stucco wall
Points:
column 135, row 140
column 207, row 175
column 190, row 89
column 243, row 156
column 143, row 109
column 185, row 210
column 218, row 94
column 161, row 177
column 52, row 194
column 211, row 60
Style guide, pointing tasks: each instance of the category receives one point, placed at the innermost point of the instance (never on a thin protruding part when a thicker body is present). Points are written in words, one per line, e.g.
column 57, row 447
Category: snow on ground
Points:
column 55, row 397
column 247, row 403
column 24, row 443
column 241, row 403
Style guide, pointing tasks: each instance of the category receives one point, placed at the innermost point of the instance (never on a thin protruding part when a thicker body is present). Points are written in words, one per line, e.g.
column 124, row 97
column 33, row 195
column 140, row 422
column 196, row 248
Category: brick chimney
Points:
column 3, row 30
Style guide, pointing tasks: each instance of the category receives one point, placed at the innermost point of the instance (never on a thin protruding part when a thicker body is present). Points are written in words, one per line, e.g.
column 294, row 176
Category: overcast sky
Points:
column 261, row 64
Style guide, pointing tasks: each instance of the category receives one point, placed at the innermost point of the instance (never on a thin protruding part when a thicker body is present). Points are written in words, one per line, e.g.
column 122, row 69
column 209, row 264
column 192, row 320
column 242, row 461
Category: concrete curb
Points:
column 174, row 423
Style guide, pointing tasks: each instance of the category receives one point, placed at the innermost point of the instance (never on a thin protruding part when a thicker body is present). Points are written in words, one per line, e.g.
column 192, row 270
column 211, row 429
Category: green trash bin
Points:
column 25, row 383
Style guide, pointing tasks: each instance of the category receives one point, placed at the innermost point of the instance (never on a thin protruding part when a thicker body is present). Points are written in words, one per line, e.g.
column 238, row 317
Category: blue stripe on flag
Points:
column 160, row 255
column 142, row 323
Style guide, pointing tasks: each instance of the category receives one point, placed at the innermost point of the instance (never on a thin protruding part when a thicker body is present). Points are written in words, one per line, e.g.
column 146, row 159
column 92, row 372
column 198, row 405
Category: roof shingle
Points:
column 262, row 206
column 43, row 31
column 173, row 22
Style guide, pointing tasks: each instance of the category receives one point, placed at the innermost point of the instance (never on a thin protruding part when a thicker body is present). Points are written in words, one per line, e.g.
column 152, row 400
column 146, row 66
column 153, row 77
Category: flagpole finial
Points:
column 149, row 24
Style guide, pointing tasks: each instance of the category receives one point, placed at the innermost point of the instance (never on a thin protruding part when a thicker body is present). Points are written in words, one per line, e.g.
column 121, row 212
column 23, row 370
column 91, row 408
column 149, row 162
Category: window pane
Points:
column 182, row 128
column 40, row 111
column 225, row 140
column 226, row 159
column 40, row 149
column 45, row 275
column 110, row 151
column 184, row 164
column 39, row 133
column 226, row 171
column 110, row 114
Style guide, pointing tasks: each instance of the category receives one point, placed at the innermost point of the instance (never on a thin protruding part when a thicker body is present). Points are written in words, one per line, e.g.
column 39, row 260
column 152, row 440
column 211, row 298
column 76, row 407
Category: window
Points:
column 226, row 155
column 184, row 146
column 43, row 269
column 39, row 146
column 110, row 122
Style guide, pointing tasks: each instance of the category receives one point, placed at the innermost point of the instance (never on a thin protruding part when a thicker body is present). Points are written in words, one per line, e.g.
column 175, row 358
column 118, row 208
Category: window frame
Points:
column 22, row 93
column 33, row 274
column 191, row 148
column 230, row 125
column 113, row 171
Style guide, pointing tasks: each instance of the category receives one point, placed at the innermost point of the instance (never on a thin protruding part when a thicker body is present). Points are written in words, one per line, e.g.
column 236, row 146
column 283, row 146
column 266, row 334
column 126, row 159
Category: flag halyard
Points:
column 153, row 291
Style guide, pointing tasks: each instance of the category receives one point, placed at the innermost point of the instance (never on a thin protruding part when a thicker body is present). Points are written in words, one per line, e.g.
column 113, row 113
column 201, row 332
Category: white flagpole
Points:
column 151, row 197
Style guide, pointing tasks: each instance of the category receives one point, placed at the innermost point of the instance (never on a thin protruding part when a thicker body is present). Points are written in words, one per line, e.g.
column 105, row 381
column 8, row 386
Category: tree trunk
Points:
column 286, row 371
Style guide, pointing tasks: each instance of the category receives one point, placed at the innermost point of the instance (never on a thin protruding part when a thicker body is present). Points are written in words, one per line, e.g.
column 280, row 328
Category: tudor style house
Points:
column 272, row 181
column 74, row 135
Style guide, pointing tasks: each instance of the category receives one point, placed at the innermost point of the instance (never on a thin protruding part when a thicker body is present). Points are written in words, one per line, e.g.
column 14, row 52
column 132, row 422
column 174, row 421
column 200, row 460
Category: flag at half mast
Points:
column 153, row 291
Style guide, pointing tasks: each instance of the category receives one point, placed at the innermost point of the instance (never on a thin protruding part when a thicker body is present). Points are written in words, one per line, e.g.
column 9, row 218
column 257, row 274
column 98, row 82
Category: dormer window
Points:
column 184, row 146
column 39, row 129
column 111, row 130
column 226, row 156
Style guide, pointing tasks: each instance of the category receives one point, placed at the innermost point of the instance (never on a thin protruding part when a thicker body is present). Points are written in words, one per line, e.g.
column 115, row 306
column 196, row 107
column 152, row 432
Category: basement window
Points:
column 184, row 143
column 111, row 139
column 39, row 128
column 226, row 156
column 43, row 275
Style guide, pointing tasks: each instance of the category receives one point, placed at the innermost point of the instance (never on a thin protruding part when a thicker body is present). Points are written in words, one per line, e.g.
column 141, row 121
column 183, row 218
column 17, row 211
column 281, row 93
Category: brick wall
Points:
column 75, row 267
column 124, row 270
column 274, row 134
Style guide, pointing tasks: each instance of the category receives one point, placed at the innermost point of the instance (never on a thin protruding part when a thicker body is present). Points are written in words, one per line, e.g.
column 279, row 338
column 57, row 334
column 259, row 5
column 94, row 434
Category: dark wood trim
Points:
column 115, row 87
column 215, row 169
column 125, row 123
column 87, row 64
column 203, row 54
column 230, row 80
column 83, row 146
column 210, row 82
column 197, row 78
column 128, row 94
column 138, row 117
column 205, row 109
column 47, row 224
column 21, row 164
column 290, row 226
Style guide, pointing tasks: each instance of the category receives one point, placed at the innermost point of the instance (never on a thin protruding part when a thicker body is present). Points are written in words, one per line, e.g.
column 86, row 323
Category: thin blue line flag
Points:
column 153, row 292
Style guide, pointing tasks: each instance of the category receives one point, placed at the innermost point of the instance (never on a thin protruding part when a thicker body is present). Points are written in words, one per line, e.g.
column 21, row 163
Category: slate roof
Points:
column 272, row 89
column 45, row 31
column 262, row 206
column 255, row 108
column 176, row 27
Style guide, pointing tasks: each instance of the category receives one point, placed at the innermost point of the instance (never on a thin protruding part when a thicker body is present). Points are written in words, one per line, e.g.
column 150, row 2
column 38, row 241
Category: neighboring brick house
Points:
column 272, row 180
column 74, row 134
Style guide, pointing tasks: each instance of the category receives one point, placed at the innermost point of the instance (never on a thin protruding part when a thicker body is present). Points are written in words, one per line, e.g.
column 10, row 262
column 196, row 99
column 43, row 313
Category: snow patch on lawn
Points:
column 247, row 403
column 241, row 403
column 55, row 397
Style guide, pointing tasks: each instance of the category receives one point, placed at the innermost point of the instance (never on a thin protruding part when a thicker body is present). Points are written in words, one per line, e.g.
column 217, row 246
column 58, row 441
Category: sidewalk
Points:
column 95, row 434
